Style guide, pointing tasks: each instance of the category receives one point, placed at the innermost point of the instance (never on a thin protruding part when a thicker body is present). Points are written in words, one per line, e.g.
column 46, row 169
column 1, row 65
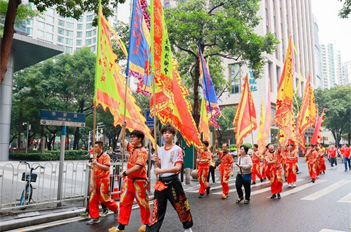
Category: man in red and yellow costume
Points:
column 100, row 185
column 311, row 157
column 225, row 168
column 275, row 168
column 203, row 169
column 321, row 159
column 291, row 164
column 255, row 157
column 136, row 185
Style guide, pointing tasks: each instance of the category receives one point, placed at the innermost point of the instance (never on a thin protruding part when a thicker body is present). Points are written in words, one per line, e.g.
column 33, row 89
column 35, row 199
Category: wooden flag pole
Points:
column 124, row 125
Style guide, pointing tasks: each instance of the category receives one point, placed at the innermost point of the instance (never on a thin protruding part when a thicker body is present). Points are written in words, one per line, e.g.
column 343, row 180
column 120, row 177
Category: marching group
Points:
column 268, row 163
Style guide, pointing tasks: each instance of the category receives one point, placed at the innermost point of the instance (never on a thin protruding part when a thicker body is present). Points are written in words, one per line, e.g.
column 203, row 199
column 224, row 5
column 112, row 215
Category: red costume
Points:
column 225, row 169
column 312, row 164
column 135, row 186
column 291, row 166
column 255, row 157
column 276, row 178
column 102, row 191
column 321, row 159
column 203, row 169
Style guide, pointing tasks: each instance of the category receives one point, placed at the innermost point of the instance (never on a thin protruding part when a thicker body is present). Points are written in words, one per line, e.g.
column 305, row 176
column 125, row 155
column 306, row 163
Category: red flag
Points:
column 245, row 116
column 317, row 130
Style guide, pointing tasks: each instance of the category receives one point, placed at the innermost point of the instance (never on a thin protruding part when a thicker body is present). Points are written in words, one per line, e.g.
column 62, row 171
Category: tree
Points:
column 336, row 102
column 69, row 8
column 225, row 122
column 346, row 9
column 225, row 31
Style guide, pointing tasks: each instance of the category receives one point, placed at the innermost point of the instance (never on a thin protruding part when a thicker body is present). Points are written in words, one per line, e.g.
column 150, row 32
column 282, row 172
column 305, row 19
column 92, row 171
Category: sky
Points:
column 332, row 28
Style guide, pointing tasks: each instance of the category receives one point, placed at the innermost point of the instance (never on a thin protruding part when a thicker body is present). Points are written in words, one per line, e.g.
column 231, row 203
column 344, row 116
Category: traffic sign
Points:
column 59, row 118
column 149, row 120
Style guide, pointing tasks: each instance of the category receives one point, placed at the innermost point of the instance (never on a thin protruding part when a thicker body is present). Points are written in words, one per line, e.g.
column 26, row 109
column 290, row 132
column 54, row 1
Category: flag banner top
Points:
column 245, row 116
column 203, row 125
column 139, row 57
column 316, row 138
column 110, row 91
column 171, row 104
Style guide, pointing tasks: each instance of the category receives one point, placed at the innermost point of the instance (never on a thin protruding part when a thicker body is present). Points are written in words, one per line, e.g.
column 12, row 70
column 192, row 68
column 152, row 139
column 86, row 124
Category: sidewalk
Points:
column 25, row 219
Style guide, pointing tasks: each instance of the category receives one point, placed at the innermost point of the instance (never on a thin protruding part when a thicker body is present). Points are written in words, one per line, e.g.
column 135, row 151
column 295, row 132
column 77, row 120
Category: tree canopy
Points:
column 336, row 102
column 224, row 31
column 346, row 9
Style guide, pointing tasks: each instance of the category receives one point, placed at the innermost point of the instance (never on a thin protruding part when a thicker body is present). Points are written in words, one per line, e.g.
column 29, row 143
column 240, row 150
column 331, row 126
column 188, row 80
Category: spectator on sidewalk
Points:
column 331, row 152
column 345, row 151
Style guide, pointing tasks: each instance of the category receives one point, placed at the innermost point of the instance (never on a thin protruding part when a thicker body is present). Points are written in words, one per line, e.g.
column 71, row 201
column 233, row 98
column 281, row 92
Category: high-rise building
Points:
column 331, row 66
column 317, row 54
column 69, row 33
column 280, row 18
column 346, row 73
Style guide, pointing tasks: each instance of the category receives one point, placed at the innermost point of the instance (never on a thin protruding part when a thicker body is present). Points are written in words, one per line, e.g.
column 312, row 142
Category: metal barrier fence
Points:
column 75, row 187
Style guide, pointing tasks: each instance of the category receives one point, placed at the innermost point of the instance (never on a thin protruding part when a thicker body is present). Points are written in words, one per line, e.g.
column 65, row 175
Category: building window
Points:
column 29, row 30
column 68, row 49
column 29, row 22
column 79, row 43
column 80, row 26
column 49, row 19
column 80, row 19
column 41, row 25
column 79, row 34
column 49, row 28
column 50, row 11
column 70, row 25
column 40, row 34
column 90, row 18
column 234, row 70
column 93, row 49
column 166, row 5
column 60, row 31
column 49, row 36
column 89, row 34
column 61, row 23
column 69, row 33
column 89, row 26
column 69, row 41
column 59, row 39
column 88, row 42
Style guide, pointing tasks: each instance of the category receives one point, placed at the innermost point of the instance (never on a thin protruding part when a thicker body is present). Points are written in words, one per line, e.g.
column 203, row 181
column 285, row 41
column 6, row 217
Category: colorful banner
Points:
column 203, row 125
column 245, row 116
column 316, row 137
column 110, row 85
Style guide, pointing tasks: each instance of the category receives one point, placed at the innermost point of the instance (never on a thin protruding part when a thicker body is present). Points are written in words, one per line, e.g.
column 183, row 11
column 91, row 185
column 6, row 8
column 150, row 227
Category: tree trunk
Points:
column 76, row 139
column 51, row 143
column 7, row 38
column 42, row 142
column 19, row 130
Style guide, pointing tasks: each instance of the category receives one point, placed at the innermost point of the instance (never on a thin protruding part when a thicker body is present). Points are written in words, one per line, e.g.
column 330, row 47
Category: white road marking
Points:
column 326, row 190
column 327, row 230
column 300, row 188
column 346, row 198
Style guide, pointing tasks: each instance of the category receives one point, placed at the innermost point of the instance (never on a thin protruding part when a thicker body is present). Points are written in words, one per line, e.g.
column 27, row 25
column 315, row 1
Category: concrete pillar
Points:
column 5, row 109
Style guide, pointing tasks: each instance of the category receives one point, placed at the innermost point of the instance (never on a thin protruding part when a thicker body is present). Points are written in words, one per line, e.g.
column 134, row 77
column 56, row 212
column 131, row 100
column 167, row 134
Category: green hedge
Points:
column 50, row 155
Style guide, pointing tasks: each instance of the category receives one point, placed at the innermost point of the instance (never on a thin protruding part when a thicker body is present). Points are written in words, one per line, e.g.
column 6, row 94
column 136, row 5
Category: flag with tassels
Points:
column 139, row 57
column 208, row 91
column 307, row 115
column 263, row 136
column 245, row 116
column 171, row 104
column 316, row 137
column 284, row 115
column 110, row 91
column 261, row 142
column 203, row 125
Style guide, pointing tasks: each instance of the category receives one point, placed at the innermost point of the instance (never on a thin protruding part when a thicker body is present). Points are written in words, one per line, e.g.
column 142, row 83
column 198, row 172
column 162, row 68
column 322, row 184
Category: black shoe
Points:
column 261, row 180
column 201, row 196
column 278, row 195
column 208, row 190
column 273, row 196
column 253, row 183
column 323, row 172
column 312, row 181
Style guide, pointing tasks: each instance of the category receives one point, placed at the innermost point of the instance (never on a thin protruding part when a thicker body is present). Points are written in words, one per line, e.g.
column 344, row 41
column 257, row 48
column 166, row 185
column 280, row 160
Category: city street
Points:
column 319, row 207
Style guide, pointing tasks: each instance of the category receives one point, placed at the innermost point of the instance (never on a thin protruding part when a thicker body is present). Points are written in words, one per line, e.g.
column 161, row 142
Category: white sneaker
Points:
column 188, row 230
column 289, row 185
column 294, row 184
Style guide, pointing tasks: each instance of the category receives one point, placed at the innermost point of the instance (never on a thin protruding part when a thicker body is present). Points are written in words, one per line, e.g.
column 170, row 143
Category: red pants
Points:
column 256, row 171
column 322, row 166
column 264, row 168
column 224, row 171
column 137, row 189
column 202, row 174
column 101, row 193
column 312, row 168
column 290, row 170
column 276, row 180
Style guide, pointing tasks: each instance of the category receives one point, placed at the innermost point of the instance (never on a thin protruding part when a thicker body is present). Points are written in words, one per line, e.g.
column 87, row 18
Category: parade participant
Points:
column 168, row 163
column 264, row 166
column 255, row 157
column 283, row 157
column 331, row 152
column 244, row 175
column 274, row 165
column 100, row 185
column 311, row 157
column 203, row 162
column 345, row 152
column 321, row 159
column 291, row 164
column 212, row 170
column 135, row 184
column 225, row 168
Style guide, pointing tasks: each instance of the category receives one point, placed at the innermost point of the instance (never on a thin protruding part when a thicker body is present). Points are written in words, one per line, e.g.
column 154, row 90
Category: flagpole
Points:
column 124, row 124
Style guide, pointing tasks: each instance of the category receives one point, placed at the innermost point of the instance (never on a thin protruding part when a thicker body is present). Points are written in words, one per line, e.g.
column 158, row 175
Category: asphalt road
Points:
column 324, row 206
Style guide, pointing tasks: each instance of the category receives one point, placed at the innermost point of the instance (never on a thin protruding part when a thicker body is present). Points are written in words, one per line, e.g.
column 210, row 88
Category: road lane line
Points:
column 300, row 188
column 325, row 191
column 327, row 230
column 346, row 198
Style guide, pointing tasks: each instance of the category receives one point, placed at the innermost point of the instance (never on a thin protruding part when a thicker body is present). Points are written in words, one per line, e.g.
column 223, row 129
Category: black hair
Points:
column 268, row 145
column 246, row 148
column 168, row 128
column 138, row 134
column 101, row 144
column 255, row 145
column 206, row 143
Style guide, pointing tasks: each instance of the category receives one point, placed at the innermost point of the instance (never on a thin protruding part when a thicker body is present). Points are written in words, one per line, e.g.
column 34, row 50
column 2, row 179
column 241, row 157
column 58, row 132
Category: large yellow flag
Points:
column 307, row 115
column 245, row 116
column 203, row 125
column 110, row 85
column 260, row 140
column 284, row 116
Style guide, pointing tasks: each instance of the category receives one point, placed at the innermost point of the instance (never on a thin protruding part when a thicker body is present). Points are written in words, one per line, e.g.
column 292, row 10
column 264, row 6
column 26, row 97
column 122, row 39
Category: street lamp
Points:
column 28, row 128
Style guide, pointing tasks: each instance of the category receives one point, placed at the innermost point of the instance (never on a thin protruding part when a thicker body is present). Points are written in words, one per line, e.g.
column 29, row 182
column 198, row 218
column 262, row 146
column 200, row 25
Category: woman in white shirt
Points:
column 244, row 175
